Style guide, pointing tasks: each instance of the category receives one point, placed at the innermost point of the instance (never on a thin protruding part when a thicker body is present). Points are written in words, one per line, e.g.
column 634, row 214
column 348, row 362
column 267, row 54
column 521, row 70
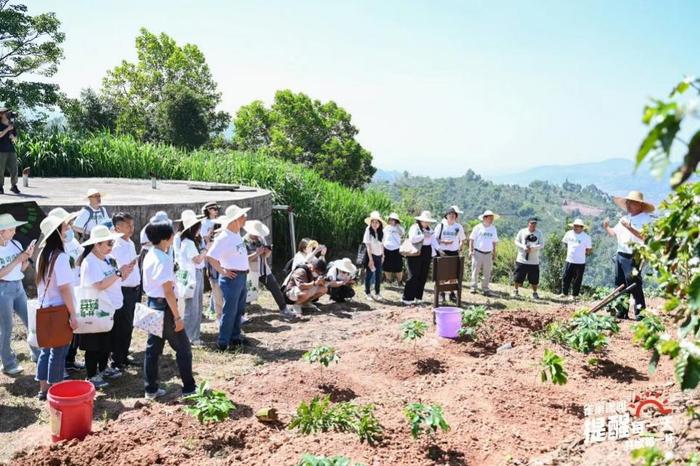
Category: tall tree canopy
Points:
column 297, row 128
column 163, row 83
column 29, row 45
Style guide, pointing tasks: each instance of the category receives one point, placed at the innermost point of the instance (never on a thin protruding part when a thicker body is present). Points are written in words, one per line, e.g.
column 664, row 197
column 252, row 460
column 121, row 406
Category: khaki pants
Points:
column 484, row 263
column 8, row 160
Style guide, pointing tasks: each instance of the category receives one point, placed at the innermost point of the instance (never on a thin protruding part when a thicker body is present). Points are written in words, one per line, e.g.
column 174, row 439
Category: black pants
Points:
column 341, row 293
column 572, row 273
column 271, row 284
column 72, row 351
column 625, row 267
column 418, row 268
column 95, row 362
column 123, row 327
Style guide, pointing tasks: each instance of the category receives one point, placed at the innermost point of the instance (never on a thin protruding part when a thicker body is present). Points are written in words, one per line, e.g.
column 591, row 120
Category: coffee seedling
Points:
column 320, row 415
column 425, row 419
column 647, row 334
column 412, row 330
column 324, row 355
column 472, row 319
column 553, row 368
column 209, row 405
column 312, row 460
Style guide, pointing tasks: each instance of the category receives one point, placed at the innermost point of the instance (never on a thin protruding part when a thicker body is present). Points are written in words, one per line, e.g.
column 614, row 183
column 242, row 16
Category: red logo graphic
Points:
column 649, row 399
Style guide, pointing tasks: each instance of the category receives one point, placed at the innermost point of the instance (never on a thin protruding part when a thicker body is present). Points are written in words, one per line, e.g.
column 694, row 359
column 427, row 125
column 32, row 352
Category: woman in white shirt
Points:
column 373, row 237
column 423, row 237
column 210, row 210
column 14, row 259
column 99, row 270
column 450, row 237
column 54, row 281
column 393, row 261
column 191, row 260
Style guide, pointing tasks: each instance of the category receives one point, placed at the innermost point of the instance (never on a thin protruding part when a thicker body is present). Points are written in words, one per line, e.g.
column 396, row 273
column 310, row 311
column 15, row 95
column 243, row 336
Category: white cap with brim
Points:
column 7, row 221
column 425, row 216
column 346, row 265
column 256, row 228
column 375, row 215
column 635, row 196
column 488, row 213
column 233, row 212
column 100, row 234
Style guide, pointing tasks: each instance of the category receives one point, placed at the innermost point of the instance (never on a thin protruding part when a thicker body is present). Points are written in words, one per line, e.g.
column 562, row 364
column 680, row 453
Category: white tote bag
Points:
column 149, row 320
column 95, row 311
column 185, row 282
column 32, row 306
column 253, row 286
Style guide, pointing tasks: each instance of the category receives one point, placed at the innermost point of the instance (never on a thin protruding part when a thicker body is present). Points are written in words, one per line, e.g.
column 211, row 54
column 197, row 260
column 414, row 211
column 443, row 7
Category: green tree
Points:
column 148, row 91
column 181, row 119
column 29, row 46
column 90, row 113
column 297, row 128
column 553, row 260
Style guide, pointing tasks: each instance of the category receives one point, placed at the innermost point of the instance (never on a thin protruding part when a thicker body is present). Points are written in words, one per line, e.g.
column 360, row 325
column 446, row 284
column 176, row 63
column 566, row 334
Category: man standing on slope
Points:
column 529, row 241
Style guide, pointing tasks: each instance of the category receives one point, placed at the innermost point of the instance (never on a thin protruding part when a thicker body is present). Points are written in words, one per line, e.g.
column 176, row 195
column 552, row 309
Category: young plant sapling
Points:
column 209, row 405
column 425, row 419
column 552, row 366
column 412, row 330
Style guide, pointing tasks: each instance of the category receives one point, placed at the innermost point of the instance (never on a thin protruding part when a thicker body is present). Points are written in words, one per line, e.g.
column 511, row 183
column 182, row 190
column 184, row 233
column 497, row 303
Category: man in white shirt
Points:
column 229, row 256
column 578, row 246
column 482, row 250
column 529, row 242
column 124, row 252
column 91, row 215
column 628, row 231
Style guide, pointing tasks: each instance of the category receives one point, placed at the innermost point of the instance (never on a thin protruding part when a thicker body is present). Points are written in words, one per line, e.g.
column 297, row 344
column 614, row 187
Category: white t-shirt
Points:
column 158, row 269
column 94, row 270
column 484, row 237
column 8, row 253
column 87, row 222
column 625, row 237
column 416, row 235
column 74, row 251
column 576, row 245
column 376, row 248
column 336, row 274
column 188, row 250
column 62, row 275
column 143, row 239
column 392, row 237
column 229, row 249
column 207, row 225
column 124, row 251
column 533, row 257
column 454, row 232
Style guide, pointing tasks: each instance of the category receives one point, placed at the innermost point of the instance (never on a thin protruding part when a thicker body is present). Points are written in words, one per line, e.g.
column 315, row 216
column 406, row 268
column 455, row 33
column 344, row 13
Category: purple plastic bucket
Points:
column 448, row 321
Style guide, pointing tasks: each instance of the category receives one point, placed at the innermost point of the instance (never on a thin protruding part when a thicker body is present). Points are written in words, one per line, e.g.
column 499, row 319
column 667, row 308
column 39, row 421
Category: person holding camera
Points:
column 306, row 284
column 529, row 242
column 8, row 156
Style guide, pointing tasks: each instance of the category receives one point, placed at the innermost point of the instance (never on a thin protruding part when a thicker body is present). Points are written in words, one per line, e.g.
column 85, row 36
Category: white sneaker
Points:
column 296, row 310
column 378, row 297
column 14, row 371
column 157, row 394
column 407, row 302
column 369, row 296
column 288, row 313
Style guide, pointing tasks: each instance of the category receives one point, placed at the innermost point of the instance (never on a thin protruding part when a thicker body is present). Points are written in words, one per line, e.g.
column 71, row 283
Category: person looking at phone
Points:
column 8, row 156
column 305, row 285
column 124, row 252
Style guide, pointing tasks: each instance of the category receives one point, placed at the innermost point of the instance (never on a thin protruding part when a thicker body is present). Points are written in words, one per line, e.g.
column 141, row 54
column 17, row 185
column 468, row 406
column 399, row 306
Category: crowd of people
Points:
column 91, row 249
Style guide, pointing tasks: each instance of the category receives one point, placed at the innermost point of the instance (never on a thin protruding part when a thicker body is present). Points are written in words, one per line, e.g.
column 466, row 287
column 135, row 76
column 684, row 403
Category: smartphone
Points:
column 32, row 244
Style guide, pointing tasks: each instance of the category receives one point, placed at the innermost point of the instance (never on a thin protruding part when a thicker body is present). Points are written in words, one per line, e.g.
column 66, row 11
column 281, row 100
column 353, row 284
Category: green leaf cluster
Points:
column 324, row 355
column 473, row 318
column 412, row 330
column 209, row 405
column 320, row 415
column 553, row 368
column 586, row 332
column 312, row 460
column 425, row 419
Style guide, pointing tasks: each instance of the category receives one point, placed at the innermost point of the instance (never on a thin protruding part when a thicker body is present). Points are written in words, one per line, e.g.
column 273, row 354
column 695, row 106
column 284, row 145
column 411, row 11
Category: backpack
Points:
column 309, row 276
column 85, row 235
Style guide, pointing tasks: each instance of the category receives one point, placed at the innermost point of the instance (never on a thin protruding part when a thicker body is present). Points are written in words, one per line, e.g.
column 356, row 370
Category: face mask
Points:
column 70, row 235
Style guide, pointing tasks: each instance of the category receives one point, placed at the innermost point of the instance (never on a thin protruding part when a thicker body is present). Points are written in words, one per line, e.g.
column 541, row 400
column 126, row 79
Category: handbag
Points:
column 252, row 287
column 362, row 257
column 409, row 249
column 149, row 320
column 52, row 323
column 95, row 311
column 185, row 282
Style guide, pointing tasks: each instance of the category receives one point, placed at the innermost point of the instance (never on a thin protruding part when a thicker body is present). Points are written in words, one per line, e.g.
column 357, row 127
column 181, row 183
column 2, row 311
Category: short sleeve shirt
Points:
column 188, row 251
column 158, row 269
column 229, row 249
column 576, row 245
column 89, row 218
column 376, row 248
column 484, row 237
column 392, row 237
column 74, row 251
column 124, row 252
column 533, row 257
column 625, row 238
column 94, row 270
column 62, row 274
column 454, row 232
column 8, row 253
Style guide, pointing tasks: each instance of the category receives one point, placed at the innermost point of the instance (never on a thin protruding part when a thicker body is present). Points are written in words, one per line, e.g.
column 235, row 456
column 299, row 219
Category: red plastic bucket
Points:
column 70, row 409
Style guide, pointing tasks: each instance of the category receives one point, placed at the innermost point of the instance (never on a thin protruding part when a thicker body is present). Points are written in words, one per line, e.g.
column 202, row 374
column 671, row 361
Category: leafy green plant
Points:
column 209, row 405
column 586, row 331
column 472, row 319
column 412, row 330
column 649, row 456
column 553, row 368
column 320, row 415
column 324, row 355
column 312, row 460
column 647, row 334
column 425, row 419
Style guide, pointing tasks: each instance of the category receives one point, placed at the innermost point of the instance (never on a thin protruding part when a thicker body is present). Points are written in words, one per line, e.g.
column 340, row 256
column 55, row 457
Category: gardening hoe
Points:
column 617, row 292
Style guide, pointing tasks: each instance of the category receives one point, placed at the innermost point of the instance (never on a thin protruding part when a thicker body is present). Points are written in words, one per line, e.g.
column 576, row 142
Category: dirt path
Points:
column 498, row 410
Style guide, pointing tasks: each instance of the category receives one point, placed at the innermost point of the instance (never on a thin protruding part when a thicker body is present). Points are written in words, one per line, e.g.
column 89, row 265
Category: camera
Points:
column 11, row 115
column 529, row 240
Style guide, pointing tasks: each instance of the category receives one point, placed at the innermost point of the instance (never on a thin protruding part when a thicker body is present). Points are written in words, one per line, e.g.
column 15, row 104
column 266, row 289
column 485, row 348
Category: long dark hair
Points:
column 192, row 233
column 86, row 252
column 380, row 231
column 420, row 227
column 54, row 244
column 301, row 247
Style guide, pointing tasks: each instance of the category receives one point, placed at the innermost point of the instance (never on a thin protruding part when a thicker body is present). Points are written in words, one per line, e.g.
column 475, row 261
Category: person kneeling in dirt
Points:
column 340, row 279
column 305, row 285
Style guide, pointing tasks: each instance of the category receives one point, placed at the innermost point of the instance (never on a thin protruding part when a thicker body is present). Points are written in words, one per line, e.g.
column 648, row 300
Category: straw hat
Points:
column 488, row 213
column 63, row 214
column 346, row 265
column 375, row 215
column 578, row 223
column 7, row 221
column 101, row 233
column 425, row 216
column 394, row 216
column 92, row 192
column 256, row 228
column 189, row 218
column 635, row 196
column 233, row 212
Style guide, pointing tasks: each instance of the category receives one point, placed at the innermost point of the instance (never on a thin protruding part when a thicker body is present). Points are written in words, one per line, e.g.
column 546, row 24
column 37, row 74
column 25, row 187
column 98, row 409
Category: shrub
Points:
column 647, row 334
column 586, row 332
column 209, row 405
column 412, row 330
column 311, row 460
column 320, row 415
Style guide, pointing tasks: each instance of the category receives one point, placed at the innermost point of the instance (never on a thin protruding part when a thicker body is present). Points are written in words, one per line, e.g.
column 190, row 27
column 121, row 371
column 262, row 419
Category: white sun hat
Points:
column 63, row 214
column 101, row 233
column 394, row 216
column 189, row 219
column 256, row 228
column 92, row 192
column 7, row 221
column 578, row 223
column 50, row 224
column 346, row 265
column 489, row 213
column 426, row 216
column 233, row 212
column 375, row 215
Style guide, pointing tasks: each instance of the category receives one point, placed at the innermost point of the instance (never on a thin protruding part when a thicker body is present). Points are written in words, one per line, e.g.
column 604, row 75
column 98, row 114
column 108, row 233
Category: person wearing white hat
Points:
column 578, row 246
column 124, row 252
column 8, row 155
column 372, row 239
column 393, row 260
column 450, row 237
column 628, row 232
column 259, row 253
column 14, row 260
column 340, row 279
column 482, row 250
column 229, row 256
column 91, row 215
column 54, row 281
column 191, row 259
column 211, row 210
column 423, row 236
column 99, row 270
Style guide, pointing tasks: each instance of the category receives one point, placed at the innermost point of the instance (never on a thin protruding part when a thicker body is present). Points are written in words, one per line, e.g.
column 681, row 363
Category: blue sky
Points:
column 435, row 87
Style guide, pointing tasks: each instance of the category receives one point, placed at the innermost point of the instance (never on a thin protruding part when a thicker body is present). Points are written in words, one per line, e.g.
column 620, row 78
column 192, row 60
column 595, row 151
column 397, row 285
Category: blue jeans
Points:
column 234, row 291
column 12, row 298
column 51, row 364
column 376, row 275
column 178, row 341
